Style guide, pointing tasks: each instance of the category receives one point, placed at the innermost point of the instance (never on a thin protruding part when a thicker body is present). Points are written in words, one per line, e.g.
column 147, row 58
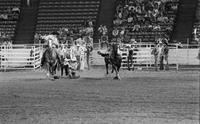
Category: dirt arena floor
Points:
column 140, row 97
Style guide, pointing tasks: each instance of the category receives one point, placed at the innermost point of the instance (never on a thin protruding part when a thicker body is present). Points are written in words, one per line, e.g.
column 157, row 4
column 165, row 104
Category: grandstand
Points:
column 53, row 14
column 8, row 22
column 146, row 21
column 50, row 15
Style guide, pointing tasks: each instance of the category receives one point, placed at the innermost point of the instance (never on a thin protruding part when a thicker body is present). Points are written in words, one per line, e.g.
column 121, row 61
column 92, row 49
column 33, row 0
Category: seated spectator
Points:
column 156, row 27
column 90, row 22
column 105, row 30
column 133, row 41
column 4, row 16
column 115, row 32
column 117, row 21
column 130, row 19
column 16, row 10
column 136, row 27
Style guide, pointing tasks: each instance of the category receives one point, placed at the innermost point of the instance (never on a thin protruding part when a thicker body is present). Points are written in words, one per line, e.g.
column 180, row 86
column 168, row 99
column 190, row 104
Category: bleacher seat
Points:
column 8, row 26
column 53, row 14
column 150, row 35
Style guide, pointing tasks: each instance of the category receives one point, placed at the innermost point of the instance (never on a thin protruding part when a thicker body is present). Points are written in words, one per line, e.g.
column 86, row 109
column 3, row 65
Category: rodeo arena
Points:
column 99, row 61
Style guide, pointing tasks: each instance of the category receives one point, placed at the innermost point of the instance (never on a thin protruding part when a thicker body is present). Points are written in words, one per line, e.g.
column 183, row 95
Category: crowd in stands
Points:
column 145, row 16
column 68, row 35
column 10, row 14
column 6, row 31
column 5, row 39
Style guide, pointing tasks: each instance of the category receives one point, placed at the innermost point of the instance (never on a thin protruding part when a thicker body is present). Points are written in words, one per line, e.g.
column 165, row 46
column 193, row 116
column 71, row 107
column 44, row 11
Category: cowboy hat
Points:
column 78, row 44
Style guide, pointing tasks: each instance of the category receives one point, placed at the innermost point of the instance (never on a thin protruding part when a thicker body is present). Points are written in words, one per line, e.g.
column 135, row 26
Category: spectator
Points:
column 28, row 2
column 130, row 58
column 16, row 10
column 115, row 32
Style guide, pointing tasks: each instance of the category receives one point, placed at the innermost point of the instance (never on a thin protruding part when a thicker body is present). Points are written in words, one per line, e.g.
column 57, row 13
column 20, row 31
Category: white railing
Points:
column 20, row 57
column 28, row 56
column 179, row 55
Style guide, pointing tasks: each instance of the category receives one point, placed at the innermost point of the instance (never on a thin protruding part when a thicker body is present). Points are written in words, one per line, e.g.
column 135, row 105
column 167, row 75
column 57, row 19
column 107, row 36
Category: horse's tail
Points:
column 43, row 59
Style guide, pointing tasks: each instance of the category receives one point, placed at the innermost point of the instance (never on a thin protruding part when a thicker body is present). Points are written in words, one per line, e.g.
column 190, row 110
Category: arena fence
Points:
column 20, row 57
column 182, row 56
column 28, row 56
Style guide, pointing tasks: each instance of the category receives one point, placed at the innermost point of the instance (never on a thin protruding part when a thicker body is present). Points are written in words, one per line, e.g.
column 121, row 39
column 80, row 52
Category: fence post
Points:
column 0, row 57
column 177, row 65
column 187, row 51
column 33, row 56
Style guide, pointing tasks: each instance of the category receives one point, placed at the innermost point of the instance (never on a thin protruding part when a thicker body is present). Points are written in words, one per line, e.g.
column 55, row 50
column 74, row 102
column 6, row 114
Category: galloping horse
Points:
column 50, row 61
column 114, row 58
column 107, row 60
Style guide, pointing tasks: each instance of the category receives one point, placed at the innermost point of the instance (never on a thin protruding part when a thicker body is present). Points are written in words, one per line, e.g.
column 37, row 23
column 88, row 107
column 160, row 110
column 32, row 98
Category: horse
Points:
column 50, row 60
column 106, row 60
column 114, row 58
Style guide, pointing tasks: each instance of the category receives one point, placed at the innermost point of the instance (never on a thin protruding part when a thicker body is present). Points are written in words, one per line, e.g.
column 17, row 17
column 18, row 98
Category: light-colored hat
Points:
column 78, row 44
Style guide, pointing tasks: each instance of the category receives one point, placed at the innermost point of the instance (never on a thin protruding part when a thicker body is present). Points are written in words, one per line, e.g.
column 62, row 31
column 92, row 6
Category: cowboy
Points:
column 100, row 29
column 164, row 54
column 105, row 30
column 115, row 32
column 78, row 55
column 155, row 52
column 89, row 48
column 64, row 64
column 71, row 61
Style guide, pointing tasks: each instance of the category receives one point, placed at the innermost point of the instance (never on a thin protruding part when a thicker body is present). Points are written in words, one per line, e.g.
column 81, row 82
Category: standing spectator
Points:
column 78, row 55
column 115, row 32
column 64, row 65
column 105, row 30
column 90, row 23
column 130, row 58
column 28, row 2
column 100, row 29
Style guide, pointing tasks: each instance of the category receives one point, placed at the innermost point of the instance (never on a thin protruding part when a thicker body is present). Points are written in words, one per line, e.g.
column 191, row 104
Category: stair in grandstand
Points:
column 196, row 38
column 26, row 26
column 8, row 22
column 185, row 21
column 106, row 14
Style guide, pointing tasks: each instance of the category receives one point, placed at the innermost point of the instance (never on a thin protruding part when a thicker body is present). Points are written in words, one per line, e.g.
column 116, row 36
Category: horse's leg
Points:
column 54, row 69
column 118, row 67
column 88, row 60
column 112, row 69
column 106, row 67
column 61, row 69
column 161, row 63
column 167, row 64
column 65, row 67
column 48, row 70
column 116, row 72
